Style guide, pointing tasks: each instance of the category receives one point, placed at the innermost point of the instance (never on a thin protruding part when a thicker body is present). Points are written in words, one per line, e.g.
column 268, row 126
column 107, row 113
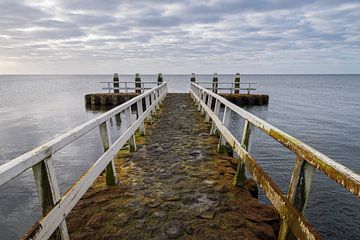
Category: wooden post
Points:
column 298, row 193
column 192, row 79
column 237, row 84
column 200, row 99
column 116, row 82
column 152, row 97
column 209, row 103
column 215, row 83
column 139, row 108
column 216, row 111
column 117, row 120
column 157, row 95
column 137, row 83
column 160, row 79
column 203, row 99
column 49, row 193
column 131, row 141
column 147, row 104
column 240, row 176
column 110, row 171
column 226, row 122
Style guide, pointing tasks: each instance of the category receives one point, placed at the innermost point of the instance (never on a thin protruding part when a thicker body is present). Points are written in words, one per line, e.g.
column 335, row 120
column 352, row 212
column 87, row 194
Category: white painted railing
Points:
column 56, row 207
column 291, row 207
column 231, row 87
column 127, row 86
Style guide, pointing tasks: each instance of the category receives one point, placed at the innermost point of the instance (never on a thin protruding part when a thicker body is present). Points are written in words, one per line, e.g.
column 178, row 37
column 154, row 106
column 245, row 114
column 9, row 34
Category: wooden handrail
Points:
column 290, row 208
column 56, row 207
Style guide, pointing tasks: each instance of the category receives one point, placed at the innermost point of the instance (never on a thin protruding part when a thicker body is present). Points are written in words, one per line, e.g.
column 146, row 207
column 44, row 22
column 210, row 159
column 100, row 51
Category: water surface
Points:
column 320, row 110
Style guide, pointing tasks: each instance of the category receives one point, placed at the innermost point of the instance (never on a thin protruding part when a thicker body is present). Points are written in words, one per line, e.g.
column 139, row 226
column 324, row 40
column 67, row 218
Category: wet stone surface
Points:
column 176, row 186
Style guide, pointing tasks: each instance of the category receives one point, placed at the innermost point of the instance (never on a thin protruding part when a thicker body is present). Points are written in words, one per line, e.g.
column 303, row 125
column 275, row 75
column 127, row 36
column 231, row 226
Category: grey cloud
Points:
column 181, row 31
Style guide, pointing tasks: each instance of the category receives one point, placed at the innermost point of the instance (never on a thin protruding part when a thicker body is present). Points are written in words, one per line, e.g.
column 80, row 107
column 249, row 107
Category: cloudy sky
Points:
column 149, row 36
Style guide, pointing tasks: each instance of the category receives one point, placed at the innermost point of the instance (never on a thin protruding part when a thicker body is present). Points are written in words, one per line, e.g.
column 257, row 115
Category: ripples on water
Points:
column 320, row 110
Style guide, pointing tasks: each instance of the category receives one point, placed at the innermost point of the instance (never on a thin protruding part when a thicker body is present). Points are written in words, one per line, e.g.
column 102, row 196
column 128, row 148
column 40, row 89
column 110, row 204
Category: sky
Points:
column 148, row 36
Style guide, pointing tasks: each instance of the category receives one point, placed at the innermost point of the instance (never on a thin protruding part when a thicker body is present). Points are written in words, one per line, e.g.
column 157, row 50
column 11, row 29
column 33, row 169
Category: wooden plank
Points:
column 147, row 104
column 225, row 121
column 199, row 100
column 298, row 193
column 240, row 177
column 203, row 97
column 44, row 228
column 111, row 178
column 156, row 93
column 20, row 164
column 152, row 97
column 49, row 193
column 131, row 141
column 334, row 170
column 217, row 112
column 209, row 103
column 139, row 108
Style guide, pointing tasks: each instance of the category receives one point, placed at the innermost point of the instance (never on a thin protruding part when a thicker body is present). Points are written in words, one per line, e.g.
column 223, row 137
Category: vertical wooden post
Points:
column 203, row 99
column 298, row 193
column 118, row 120
column 152, row 95
column 139, row 108
column 116, row 82
column 237, row 84
column 226, row 122
column 147, row 104
column 200, row 99
column 157, row 95
column 160, row 79
column 110, row 171
column 209, row 103
column 137, row 83
column 240, row 177
column 192, row 79
column 49, row 193
column 215, row 83
column 131, row 141
column 216, row 111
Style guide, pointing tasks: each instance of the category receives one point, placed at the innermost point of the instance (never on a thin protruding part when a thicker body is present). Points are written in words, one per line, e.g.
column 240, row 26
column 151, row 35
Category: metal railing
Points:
column 290, row 207
column 129, row 86
column 56, row 207
column 231, row 89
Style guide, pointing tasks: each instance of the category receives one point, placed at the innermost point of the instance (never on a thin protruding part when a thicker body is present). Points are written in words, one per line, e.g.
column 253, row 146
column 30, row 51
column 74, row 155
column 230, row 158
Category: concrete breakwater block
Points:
column 102, row 99
column 247, row 99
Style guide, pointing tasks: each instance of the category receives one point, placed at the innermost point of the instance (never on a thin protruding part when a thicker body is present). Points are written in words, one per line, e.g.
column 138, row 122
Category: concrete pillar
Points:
column 160, row 79
column 137, row 83
column 237, row 83
column 192, row 79
column 116, row 82
column 215, row 83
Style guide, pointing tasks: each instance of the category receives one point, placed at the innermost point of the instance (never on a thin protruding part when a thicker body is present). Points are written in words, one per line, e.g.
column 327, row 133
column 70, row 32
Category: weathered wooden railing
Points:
column 128, row 86
column 231, row 87
column 290, row 207
column 56, row 207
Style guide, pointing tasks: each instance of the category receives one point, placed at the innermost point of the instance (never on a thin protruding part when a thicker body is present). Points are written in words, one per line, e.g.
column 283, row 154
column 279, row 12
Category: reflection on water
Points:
column 321, row 110
column 97, row 108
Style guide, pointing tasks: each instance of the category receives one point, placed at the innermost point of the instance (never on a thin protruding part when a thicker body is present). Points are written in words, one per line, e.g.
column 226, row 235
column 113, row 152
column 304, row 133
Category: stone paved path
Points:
column 176, row 186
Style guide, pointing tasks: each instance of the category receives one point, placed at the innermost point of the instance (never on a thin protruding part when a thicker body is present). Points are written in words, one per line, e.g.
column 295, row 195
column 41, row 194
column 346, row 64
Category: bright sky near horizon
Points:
column 150, row 36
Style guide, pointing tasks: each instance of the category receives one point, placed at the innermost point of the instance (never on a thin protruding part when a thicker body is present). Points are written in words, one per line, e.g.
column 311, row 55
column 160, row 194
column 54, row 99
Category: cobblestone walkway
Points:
column 176, row 186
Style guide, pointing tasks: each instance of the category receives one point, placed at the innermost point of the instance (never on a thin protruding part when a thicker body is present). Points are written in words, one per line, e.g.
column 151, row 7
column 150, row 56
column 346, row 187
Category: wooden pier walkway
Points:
column 175, row 185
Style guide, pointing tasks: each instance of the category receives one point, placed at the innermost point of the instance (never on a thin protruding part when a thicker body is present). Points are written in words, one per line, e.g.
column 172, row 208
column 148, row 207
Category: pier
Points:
column 176, row 172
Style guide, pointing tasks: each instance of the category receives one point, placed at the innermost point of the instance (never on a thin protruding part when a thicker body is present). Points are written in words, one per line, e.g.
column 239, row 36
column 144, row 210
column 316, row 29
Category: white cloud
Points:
column 105, row 36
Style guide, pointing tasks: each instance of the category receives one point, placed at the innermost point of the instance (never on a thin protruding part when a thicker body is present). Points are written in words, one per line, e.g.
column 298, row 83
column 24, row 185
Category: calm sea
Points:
column 321, row 110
